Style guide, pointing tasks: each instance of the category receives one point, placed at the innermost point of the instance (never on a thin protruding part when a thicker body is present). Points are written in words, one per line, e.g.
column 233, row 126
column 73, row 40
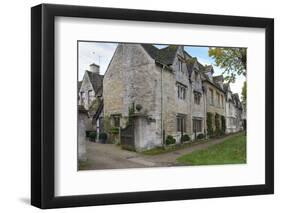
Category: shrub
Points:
column 170, row 140
column 103, row 136
column 185, row 138
column 92, row 136
column 200, row 136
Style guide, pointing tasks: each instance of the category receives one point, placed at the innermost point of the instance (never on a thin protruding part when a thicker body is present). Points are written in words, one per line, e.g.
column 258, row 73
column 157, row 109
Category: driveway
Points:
column 111, row 156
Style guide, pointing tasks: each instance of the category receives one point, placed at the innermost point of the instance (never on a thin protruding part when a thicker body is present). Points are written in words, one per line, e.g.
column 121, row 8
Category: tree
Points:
column 232, row 60
column 244, row 93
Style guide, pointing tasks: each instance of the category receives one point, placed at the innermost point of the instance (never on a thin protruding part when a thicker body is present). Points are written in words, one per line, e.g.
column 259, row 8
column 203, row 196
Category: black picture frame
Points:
column 43, row 102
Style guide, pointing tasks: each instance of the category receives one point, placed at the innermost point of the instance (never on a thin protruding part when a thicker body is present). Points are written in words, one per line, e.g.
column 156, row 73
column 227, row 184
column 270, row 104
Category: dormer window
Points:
column 181, row 90
column 82, row 95
column 90, row 98
column 180, row 65
column 197, row 97
column 211, row 97
column 196, row 75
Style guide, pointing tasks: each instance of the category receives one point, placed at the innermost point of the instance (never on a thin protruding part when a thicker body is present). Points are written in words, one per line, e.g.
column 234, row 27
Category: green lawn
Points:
column 231, row 151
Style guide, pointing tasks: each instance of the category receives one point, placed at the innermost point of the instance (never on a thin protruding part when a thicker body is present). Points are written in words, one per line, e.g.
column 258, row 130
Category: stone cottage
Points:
column 215, row 101
column 90, row 86
column 233, row 111
column 90, row 91
column 167, row 83
column 152, row 93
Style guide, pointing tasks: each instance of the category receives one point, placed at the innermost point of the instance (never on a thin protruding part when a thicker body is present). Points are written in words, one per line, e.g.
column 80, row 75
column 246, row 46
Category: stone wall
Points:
column 82, row 127
column 215, row 107
column 145, row 132
column 172, row 105
column 198, row 111
column 86, row 86
column 132, row 78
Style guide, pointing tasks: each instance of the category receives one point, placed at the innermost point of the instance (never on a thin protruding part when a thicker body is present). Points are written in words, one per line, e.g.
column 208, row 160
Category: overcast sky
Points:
column 101, row 54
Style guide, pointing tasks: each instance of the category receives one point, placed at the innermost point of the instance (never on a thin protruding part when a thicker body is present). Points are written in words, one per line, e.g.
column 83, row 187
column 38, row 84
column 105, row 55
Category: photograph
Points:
column 171, row 105
column 143, row 105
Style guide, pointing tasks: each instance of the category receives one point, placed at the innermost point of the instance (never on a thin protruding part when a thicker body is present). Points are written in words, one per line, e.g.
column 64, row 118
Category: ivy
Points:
column 223, row 127
column 217, row 124
column 210, row 130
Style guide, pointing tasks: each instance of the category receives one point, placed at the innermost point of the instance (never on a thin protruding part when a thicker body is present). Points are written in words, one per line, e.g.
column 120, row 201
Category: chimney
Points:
column 94, row 68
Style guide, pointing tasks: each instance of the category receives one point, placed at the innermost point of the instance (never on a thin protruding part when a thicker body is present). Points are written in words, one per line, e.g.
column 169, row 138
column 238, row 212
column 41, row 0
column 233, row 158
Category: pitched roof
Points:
column 218, row 78
column 208, row 68
column 165, row 55
column 225, row 87
column 96, row 80
column 151, row 50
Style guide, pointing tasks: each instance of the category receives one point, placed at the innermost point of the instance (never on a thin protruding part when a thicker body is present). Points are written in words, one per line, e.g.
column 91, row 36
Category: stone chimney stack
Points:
column 94, row 68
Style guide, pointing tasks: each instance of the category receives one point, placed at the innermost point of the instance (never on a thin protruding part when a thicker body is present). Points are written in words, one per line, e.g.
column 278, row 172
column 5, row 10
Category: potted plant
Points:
column 102, row 137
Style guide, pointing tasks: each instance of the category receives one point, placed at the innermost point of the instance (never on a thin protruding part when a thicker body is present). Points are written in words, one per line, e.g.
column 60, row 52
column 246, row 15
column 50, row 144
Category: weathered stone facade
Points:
column 83, row 122
column 233, row 111
column 90, row 97
column 173, row 90
column 126, row 84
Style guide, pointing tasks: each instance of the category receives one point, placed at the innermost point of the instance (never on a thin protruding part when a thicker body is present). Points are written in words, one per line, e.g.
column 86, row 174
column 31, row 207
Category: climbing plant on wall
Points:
column 210, row 130
column 217, row 124
column 223, row 125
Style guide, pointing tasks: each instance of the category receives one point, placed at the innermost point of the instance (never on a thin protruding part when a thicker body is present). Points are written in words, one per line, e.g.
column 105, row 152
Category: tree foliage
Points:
column 232, row 60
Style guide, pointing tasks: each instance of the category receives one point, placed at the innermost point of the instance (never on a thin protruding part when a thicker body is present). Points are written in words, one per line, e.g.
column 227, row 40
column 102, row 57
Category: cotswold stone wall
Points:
column 86, row 86
column 82, row 127
column 132, row 78
column 172, row 105
column 215, row 107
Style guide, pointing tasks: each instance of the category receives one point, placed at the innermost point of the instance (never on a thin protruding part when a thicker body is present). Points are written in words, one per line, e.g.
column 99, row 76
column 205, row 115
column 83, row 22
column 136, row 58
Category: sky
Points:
column 101, row 54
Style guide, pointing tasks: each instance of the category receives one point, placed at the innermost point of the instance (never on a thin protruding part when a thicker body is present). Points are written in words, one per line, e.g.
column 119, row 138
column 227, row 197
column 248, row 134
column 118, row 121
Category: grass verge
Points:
column 231, row 151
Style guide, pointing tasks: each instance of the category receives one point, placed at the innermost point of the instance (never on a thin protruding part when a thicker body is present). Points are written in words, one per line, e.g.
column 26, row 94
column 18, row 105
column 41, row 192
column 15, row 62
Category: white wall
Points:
column 15, row 117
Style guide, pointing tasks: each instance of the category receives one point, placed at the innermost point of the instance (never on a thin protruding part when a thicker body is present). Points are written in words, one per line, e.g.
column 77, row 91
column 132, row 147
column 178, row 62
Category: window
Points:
column 181, row 123
column 211, row 97
column 116, row 120
column 180, row 65
column 181, row 91
column 196, row 76
column 82, row 94
column 222, row 104
column 218, row 99
column 197, row 125
column 197, row 97
column 90, row 98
